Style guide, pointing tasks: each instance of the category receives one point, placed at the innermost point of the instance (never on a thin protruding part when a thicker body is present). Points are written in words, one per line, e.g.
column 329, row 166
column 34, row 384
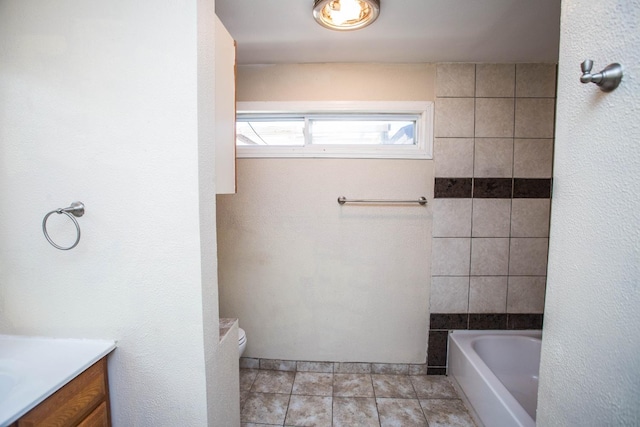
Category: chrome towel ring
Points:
column 76, row 209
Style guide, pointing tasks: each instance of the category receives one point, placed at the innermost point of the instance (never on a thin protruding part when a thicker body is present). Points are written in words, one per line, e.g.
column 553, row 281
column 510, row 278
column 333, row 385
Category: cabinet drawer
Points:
column 71, row 403
column 98, row 418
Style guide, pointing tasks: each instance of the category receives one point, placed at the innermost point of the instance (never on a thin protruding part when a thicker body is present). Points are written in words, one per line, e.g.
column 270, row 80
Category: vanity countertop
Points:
column 33, row 368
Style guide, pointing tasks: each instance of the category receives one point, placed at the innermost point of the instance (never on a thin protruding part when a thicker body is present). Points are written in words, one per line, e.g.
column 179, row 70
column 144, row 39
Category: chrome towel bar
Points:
column 421, row 201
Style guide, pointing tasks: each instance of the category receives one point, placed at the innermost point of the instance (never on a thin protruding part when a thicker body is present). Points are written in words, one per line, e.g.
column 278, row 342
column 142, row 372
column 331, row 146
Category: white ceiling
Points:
column 284, row 31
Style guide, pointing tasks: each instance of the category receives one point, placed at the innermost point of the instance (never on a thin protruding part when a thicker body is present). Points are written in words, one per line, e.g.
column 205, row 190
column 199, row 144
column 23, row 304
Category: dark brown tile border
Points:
column 453, row 188
column 437, row 371
column 449, row 321
column 437, row 353
column 488, row 321
column 531, row 188
column 524, row 321
column 492, row 188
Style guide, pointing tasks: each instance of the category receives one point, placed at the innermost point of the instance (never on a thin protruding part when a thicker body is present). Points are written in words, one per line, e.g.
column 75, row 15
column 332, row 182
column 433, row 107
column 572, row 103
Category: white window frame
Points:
column 424, row 130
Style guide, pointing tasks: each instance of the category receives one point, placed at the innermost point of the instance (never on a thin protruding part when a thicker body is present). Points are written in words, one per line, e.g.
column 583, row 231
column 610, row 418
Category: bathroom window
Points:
column 349, row 130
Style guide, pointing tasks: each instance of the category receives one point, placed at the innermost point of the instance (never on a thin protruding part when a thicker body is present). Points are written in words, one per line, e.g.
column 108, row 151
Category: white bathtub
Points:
column 498, row 374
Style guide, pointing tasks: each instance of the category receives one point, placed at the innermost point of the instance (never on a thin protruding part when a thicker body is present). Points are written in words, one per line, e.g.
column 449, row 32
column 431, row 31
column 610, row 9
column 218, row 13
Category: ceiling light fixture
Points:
column 345, row 15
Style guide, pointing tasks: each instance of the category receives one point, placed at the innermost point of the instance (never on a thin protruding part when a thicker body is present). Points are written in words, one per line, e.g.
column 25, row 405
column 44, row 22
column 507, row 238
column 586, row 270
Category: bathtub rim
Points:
column 463, row 340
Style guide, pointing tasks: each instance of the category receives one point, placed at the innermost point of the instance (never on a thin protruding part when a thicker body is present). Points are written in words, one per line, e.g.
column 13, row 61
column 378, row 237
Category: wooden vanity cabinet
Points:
column 83, row 402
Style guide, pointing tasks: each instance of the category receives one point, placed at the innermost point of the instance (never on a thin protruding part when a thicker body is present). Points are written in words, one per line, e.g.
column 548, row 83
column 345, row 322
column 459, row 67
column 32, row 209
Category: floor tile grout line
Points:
column 375, row 400
column 249, row 391
column 287, row 411
column 332, row 400
column 418, row 398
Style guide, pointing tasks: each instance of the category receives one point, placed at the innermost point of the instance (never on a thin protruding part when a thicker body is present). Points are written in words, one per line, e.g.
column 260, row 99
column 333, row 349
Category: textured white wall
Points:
column 99, row 102
column 336, row 82
column 221, row 358
column 312, row 280
column 309, row 279
column 590, row 369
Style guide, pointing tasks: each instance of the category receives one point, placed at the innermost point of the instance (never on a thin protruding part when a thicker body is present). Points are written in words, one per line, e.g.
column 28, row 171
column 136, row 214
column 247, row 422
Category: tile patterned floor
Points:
column 280, row 398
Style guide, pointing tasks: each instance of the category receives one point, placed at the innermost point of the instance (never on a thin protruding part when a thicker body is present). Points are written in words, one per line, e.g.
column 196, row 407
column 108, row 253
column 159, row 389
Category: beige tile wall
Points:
column 492, row 121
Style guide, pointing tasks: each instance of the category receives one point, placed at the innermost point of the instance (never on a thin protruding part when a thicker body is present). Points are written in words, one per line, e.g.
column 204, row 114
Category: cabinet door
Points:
column 225, row 110
column 71, row 403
